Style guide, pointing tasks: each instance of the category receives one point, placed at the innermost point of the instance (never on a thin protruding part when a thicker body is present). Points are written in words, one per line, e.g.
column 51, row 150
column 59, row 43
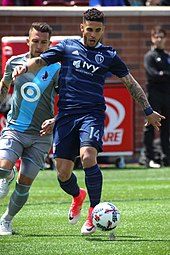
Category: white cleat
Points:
column 88, row 228
column 153, row 164
column 5, row 185
column 5, row 227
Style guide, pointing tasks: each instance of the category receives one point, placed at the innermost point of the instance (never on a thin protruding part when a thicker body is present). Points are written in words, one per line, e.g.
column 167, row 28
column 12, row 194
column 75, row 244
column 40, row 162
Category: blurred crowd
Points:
column 85, row 2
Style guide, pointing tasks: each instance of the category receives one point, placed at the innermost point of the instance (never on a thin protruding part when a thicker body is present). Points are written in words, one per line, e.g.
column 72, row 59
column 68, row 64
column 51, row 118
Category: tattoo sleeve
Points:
column 3, row 92
column 34, row 64
column 136, row 91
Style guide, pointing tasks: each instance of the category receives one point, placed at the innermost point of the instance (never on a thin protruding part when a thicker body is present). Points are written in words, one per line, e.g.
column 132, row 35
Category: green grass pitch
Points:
column 142, row 196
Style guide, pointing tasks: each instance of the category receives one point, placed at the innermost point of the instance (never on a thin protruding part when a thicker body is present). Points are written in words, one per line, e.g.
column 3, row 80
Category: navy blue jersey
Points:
column 83, row 73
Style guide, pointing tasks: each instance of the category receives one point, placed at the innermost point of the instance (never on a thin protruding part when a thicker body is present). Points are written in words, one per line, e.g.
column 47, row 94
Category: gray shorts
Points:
column 15, row 145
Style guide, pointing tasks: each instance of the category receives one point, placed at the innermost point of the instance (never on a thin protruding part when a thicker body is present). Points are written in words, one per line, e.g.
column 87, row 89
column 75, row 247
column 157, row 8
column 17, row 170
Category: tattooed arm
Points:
column 32, row 65
column 136, row 91
column 138, row 94
column 4, row 89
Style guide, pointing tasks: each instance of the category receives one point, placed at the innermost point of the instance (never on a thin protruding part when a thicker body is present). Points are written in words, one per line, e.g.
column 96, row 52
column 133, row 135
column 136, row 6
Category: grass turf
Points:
column 142, row 195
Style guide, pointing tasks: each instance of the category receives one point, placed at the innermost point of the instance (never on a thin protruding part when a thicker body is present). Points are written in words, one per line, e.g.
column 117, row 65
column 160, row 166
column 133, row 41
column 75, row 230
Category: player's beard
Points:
column 35, row 54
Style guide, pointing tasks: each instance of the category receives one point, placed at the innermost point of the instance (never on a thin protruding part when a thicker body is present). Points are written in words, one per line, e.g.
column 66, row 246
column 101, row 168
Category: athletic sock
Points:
column 17, row 200
column 93, row 180
column 70, row 186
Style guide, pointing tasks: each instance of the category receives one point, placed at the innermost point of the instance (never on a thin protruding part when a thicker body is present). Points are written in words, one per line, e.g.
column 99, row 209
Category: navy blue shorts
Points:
column 74, row 131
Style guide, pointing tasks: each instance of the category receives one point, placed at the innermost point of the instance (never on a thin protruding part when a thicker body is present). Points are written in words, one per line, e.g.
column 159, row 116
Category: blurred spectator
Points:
column 21, row 2
column 158, row 2
column 65, row 3
column 108, row 3
column 116, row 2
column 164, row 2
column 157, row 67
column 152, row 2
column 137, row 2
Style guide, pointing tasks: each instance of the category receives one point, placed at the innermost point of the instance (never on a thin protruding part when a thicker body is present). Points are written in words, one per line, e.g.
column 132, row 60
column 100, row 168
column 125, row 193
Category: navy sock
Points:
column 93, row 180
column 70, row 187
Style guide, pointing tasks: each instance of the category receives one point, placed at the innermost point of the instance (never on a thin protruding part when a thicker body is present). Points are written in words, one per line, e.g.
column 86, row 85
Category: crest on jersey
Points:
column 99, row 58
column 45, row 76
column 30, row 91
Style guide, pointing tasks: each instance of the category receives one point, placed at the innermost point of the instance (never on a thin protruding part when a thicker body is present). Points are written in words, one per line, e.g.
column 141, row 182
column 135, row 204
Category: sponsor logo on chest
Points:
column 85, row 65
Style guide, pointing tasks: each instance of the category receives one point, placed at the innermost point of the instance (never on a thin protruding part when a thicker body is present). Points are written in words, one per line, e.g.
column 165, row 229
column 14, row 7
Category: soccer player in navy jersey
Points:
column 30, row 117
column 79, row 125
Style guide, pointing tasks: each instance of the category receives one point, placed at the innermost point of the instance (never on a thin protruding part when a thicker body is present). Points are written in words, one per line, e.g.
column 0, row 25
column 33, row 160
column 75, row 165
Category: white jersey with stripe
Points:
column 33, row 96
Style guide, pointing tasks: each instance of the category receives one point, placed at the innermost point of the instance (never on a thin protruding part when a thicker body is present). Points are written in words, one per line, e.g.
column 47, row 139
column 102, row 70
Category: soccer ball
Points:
column 105, row 216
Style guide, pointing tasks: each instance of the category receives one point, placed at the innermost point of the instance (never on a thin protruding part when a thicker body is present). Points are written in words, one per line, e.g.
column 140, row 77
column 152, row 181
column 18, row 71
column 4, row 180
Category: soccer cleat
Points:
column 88, row 228
column 5, row 185
column 153, row 164
column 75, row 209
column 5, row 227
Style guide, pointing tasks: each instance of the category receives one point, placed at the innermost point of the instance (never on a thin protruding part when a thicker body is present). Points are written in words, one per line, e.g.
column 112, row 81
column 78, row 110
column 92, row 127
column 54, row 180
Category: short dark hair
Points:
column 41, row 27
column 158, row 30
column 93, row 15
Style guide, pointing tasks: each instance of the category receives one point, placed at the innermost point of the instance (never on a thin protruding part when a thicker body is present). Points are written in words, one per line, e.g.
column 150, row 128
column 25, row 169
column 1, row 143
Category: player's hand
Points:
column 154, row 119
column 47, row 127
column 18, row 70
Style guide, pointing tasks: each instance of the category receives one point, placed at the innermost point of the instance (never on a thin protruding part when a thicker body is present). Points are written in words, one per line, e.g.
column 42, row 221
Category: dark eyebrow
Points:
column 96, row 29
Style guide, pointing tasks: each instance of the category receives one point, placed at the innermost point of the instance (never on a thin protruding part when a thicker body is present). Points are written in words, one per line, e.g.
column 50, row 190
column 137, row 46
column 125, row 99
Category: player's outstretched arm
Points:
column 4, row 89
column 139, row 95
column 32, row 65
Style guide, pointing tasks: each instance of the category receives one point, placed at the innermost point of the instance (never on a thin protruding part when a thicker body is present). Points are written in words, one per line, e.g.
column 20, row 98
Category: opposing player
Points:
column 28, row 133
column 79, row 125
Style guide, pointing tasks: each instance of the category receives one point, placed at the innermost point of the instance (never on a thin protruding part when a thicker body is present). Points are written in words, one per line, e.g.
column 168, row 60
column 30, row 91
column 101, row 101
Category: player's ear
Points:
column 82, row 27
column 27, row 41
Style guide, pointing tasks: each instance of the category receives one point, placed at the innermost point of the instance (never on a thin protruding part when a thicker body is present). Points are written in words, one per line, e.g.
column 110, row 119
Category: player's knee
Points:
column 88, row 160
column 88, row 156
column 63, row 176
column 6, row 164
column 5, row 168
column 64, row 169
